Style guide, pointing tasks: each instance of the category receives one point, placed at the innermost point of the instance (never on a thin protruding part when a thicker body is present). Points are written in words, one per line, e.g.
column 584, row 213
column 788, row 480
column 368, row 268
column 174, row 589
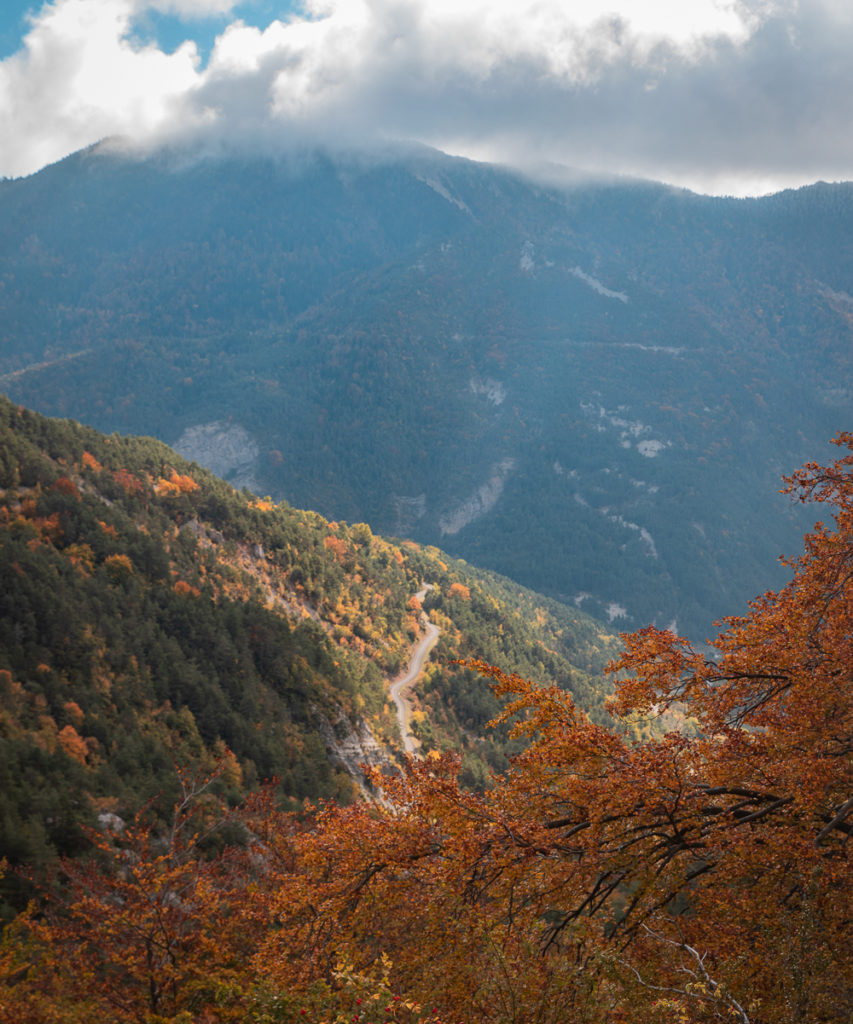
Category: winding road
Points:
column 403, row 684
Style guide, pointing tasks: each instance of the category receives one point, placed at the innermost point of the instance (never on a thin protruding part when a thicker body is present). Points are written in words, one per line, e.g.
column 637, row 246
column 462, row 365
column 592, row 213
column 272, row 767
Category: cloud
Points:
column 80, row 77
column 718, row 94
column 190, row 8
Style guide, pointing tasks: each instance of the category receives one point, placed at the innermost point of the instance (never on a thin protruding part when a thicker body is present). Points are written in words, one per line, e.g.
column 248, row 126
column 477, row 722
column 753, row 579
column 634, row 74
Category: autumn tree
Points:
column 413, row 891
column 138, row 933
column 693, row 876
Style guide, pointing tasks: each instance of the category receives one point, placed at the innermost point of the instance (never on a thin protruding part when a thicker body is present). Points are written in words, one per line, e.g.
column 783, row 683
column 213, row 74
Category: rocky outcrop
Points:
column 351, row 745
column 226, row 449
column 482, row 501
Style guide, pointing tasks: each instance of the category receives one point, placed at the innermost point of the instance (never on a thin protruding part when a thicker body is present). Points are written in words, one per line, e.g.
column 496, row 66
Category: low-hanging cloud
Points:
column 722, row 96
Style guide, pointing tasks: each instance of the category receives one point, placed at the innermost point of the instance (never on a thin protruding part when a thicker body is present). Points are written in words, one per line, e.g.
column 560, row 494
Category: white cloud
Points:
column 732, row 94
column 80, row 78
column 188, row 8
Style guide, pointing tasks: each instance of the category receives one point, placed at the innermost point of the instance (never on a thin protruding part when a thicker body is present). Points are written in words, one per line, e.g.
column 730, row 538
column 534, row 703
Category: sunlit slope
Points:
column 150, row 614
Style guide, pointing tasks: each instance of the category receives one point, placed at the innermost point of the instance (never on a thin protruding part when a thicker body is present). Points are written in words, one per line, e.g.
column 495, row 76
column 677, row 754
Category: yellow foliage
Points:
column 118, row 566
column 82, row 557
column 175, row 485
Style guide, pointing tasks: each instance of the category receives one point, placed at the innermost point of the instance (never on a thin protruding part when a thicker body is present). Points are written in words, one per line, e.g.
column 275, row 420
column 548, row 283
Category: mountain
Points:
column 151, row 615
column 593, row 389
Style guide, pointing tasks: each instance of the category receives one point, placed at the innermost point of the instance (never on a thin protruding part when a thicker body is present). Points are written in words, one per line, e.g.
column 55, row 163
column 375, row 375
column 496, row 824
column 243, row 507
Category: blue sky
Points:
column 722, row 96
column 166, row 29
column 11, row 26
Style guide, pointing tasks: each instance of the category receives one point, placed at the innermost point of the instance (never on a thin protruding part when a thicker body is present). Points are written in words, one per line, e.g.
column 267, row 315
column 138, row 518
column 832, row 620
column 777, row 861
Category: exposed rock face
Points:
column 481, row 502
column 226, row 449
column 351, row 745
column 488, row 388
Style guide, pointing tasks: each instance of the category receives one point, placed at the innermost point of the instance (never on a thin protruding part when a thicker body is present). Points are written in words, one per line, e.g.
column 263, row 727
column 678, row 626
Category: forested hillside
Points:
column 591, row 388
column 603, row 877
column 151, row 615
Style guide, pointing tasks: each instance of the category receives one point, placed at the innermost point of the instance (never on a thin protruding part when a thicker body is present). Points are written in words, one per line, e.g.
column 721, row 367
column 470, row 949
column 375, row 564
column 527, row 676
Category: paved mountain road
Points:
column 402, row 685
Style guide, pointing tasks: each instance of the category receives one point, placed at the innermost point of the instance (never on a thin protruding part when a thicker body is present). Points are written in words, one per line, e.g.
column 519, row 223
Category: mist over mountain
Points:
column 593, row 388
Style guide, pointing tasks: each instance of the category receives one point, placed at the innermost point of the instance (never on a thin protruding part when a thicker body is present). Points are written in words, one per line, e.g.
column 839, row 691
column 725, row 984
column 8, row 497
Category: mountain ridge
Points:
column 153, row 615
column 387, row 331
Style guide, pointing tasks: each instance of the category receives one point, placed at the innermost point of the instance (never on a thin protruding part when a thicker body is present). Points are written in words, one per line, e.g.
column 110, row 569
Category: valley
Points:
column 151, row 615
column 247, row 748
column 593, row 389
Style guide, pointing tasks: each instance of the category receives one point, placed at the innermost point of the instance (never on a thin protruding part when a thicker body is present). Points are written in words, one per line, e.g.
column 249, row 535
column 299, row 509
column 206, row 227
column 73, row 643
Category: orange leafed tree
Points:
column 175, row 484
column 140, row 933
column 687, row 877
column 90, row 462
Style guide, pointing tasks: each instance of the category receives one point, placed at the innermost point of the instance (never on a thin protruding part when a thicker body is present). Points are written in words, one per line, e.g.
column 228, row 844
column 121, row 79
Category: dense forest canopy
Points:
column 593, row 390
